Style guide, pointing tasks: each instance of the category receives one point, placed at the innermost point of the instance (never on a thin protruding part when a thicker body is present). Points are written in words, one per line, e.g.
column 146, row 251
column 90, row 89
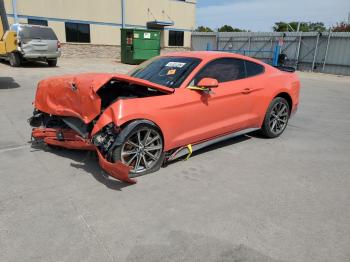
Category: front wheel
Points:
column 276, row 118
column 142, row 150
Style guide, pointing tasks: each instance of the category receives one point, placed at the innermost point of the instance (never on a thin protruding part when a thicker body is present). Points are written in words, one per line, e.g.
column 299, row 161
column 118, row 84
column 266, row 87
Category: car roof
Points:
column 209, row 55
column 30, row 25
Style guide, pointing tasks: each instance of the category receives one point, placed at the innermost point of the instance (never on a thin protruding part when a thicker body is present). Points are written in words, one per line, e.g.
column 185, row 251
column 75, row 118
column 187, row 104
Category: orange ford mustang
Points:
column 163, row 109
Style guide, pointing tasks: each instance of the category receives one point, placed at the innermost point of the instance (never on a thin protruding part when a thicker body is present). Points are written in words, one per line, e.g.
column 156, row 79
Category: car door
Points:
column 222, row 110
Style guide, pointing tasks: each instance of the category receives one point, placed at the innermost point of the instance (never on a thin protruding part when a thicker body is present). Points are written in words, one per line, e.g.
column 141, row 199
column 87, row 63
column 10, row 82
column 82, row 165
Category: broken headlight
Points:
column 105, row 138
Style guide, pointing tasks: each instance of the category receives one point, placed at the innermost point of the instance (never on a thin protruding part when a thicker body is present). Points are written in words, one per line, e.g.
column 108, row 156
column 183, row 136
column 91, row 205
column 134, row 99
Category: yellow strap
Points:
column 197, row 88
column 189, row 147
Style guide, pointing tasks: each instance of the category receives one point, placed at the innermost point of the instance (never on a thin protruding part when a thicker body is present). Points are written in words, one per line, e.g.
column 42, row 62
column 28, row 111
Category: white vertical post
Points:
column 14, row 9
column 315, row 53
column 249, row 44
column 123, row 13
column 298, row 52
column 326, row 54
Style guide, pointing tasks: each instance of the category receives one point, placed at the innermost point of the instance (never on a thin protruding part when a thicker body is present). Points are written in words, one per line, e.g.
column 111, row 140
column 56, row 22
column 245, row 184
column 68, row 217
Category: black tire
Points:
column 52, row 62
column 154, row 164
column 276, row 118
column 15, row 59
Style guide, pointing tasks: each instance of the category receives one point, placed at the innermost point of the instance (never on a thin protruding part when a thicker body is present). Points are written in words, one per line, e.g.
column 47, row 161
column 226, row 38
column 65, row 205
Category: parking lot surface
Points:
column 246, row 199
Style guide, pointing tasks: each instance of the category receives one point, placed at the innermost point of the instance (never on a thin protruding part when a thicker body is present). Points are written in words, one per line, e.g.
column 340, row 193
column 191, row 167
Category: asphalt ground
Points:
column 246, row 199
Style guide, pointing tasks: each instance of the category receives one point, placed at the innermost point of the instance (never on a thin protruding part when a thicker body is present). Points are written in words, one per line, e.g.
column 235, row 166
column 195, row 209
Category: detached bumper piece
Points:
column 117, row 170
column 69, row 139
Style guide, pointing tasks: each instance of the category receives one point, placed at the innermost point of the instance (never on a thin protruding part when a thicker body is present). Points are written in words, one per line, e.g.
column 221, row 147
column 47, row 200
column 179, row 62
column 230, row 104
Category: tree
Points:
column 316, row 27
column 341, row 27
column 281, row 27
column 304, row 27
column 228, row 28
column 203, row 29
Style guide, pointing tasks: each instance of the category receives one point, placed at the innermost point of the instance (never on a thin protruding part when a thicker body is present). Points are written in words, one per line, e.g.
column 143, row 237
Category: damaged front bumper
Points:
column 69, row 139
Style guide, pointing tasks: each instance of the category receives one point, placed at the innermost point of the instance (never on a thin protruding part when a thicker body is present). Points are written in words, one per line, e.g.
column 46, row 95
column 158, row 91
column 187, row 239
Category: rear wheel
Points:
column 276, row 118
column 15, row 59
column 142, row 150
column 52, row 62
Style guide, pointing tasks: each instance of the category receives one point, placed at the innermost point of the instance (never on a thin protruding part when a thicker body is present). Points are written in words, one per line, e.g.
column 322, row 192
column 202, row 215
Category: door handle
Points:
column 246, row 91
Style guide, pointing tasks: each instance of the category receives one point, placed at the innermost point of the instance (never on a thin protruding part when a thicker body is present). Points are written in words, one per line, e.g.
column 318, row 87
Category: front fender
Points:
column 117, row 115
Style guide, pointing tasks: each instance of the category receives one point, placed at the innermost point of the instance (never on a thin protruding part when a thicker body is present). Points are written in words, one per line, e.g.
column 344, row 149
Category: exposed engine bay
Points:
column 44, row 120
column 103, row 140
column 115, row 90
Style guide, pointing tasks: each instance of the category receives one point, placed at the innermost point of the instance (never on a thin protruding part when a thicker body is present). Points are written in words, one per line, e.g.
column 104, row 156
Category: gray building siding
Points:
column 326, row 52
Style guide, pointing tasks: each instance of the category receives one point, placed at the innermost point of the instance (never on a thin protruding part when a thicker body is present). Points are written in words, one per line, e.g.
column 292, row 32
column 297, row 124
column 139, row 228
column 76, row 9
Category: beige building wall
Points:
column 105, row 17
column 86, row 10
column 105, row 35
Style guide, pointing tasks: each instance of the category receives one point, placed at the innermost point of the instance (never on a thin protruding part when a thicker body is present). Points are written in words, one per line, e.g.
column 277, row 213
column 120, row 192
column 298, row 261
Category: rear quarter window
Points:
column 43, row 33
column 254, row 69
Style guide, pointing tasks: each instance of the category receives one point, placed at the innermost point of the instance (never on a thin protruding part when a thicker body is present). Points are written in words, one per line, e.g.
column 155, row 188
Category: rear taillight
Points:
column 58, row 44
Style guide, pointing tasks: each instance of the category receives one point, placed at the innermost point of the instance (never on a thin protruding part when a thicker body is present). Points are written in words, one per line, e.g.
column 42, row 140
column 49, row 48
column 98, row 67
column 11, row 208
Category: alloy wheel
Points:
column 142, row 150
column 278, row 118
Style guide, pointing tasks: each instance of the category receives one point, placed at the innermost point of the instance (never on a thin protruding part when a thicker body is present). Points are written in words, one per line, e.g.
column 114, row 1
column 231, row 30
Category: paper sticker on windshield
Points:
column 175, row 64
column 171, row 72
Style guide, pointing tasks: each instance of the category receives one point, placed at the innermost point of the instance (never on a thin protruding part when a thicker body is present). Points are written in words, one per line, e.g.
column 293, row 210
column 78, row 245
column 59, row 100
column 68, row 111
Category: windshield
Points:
column 36, row 32
column 167, row 71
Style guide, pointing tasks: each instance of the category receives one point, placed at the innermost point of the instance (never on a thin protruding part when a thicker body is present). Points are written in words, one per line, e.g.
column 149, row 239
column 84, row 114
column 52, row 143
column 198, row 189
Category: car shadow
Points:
column 29, row 64
column 86, row 161
column 8, row 83
column 257, row 134
column 35, row 64
column 229, row 142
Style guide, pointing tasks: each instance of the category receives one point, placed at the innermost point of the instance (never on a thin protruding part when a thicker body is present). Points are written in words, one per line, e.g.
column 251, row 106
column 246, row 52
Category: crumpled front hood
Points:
column 75, row 95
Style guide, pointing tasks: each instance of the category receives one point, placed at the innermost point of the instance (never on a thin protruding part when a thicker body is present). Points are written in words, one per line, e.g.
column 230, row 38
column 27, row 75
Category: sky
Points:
column 260, row 15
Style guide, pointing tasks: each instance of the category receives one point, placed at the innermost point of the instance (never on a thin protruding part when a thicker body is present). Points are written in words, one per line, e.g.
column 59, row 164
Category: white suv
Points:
column 35, row 42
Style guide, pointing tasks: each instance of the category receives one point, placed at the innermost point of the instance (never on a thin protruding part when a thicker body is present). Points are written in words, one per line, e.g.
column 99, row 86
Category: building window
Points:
column 37, row 22
column 77, row 33
column 176, row 38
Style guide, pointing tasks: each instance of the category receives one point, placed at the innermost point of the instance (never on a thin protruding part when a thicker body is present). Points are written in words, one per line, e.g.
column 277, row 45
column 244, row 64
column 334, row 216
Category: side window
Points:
column 223, row 70
column 37, row 22
column 253, row 69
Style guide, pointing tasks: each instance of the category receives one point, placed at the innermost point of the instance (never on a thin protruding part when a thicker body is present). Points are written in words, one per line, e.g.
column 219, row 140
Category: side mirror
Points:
column 208, row 83
column 205, row 84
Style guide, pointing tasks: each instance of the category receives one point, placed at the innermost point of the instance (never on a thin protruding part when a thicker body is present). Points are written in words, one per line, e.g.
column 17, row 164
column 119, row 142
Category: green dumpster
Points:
column 138, row 45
